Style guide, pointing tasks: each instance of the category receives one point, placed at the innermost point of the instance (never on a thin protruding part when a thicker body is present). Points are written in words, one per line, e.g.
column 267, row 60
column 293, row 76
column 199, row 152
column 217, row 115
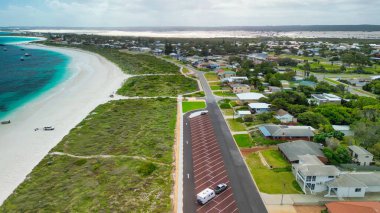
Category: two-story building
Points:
column 312, row 175
column 240, row 88
column 361, row 156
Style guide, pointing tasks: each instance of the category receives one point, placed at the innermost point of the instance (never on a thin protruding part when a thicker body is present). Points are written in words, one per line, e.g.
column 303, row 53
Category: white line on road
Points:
column 188, row 176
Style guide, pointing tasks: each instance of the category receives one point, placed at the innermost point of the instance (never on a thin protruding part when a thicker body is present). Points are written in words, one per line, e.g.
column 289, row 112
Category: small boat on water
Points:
column 22, row 59
column 48, row 128
column 6, row 122
column 27, row 55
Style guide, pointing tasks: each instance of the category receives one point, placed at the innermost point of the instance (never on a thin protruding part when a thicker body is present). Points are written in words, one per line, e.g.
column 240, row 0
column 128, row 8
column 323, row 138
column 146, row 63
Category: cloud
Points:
column 119, row 13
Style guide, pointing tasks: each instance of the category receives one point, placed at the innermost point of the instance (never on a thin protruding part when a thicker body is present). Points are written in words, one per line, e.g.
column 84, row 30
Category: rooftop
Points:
column 359, row 150
column 250, row 96
column 318, row 170
column 287, row 131
column 294, row 150
column 353, row 207
column 259, row 106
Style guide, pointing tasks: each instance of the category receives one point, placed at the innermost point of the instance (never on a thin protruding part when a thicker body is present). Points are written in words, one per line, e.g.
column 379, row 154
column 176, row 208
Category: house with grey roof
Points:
column 361, row 156
column 354, row 184
column 284, row 116
column 325, row 99
column 292, row 150
column 257, row 108
column 283, row 132
column 345, row 129
column 312, row 175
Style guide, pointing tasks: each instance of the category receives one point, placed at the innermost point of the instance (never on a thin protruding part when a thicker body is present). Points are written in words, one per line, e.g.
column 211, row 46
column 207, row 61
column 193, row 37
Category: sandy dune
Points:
column 92, row 79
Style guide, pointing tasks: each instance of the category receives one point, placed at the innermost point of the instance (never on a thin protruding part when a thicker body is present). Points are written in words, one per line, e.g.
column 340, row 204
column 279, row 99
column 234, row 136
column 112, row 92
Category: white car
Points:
column 48, row 128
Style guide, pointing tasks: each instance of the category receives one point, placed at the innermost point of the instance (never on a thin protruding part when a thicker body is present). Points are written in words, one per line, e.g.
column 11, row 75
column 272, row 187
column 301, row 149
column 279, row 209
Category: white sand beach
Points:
column 92, row 80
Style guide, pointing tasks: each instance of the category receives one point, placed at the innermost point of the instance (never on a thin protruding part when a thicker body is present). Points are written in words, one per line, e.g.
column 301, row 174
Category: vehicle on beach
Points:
column 220, row 188
column 27, row 55
column 48, row 128
column 205, row 196
column 6, row 122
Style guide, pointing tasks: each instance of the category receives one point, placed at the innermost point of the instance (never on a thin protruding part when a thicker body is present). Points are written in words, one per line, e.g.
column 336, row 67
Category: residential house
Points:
column 285, row 84
column 284, row 116
column 258, row 58
column 312, row 175
column 353, row 207
column 257, row 108
column 325, row 98
column 273, row 89
column 226, row 74
column 345, row 129
column 282, row 132
column 292, row 150
column 249, row 97
column 235, row 79
column 240, row 88
column 354, row 184
column 361, row 156
column 243, row 113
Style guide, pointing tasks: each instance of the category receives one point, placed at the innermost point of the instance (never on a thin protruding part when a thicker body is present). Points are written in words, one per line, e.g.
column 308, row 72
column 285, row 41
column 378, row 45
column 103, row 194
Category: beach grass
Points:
column 188, row 106
column 158, row 85
column 124, row 161
column 272, row 181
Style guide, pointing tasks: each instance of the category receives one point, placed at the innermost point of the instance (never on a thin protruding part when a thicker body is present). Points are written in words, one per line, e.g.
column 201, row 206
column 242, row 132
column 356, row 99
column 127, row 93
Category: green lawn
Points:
column 137, row 177
column 194, row 105
column 226, row 93
column 151, row 86
column 228, row 112
column 271, row 180
column 235, row 125
column 243, row 140
column 210, row 76
column 261, row 140
column 216, row 87
column 275, row 158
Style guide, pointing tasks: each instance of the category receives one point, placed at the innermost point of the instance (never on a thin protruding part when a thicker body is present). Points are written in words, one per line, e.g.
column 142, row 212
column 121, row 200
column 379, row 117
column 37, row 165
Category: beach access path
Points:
column 92, row 80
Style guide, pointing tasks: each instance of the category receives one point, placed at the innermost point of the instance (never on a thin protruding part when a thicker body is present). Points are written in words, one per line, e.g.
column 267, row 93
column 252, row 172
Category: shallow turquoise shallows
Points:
column 26, row 73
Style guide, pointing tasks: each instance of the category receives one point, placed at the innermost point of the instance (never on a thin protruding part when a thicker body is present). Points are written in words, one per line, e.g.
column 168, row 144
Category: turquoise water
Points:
column 23, row 81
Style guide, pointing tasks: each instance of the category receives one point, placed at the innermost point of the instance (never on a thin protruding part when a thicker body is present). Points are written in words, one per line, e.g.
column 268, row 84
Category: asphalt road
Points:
column 245, row 191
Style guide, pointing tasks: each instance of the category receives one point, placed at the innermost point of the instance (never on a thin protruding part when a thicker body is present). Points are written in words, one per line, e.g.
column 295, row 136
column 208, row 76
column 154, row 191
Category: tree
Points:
column 305, row 90
column 168, row 48
column 338, row 115
column 312, row 119
column 324, row 87
column 287, row 62
column 312, row 78
column 373, row 86
column 296, row 109
column 367, row 133
column 340, row 155
column 273, row 81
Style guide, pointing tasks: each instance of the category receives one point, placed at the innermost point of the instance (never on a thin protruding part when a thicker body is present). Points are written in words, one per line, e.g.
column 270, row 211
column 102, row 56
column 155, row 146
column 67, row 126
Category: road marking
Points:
column 186, row 124
column 188, row 176
column 187, row 142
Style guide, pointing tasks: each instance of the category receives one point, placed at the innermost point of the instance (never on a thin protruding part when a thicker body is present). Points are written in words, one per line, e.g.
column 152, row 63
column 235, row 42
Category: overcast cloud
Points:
column 123, row 13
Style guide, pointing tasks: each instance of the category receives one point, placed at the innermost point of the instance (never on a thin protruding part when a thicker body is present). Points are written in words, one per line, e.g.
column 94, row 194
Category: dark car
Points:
column 220, row 188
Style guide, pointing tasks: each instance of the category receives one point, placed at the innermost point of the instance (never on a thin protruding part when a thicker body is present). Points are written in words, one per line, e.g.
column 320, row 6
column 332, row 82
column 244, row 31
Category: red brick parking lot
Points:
column 208, row 166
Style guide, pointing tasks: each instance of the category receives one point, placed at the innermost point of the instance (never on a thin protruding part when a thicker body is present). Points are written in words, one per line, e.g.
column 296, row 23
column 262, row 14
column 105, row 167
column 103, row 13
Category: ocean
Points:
column 23, row 81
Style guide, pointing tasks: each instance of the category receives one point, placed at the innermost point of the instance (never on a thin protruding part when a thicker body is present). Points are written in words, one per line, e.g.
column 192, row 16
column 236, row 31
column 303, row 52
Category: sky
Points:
column 131, row 13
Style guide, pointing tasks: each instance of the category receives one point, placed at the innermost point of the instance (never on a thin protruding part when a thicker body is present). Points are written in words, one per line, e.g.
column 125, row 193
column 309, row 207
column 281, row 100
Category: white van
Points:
column 205, row 196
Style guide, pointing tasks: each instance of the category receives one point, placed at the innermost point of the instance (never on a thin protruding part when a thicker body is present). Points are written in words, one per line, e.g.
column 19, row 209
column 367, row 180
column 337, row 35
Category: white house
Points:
column 257, row 108
column 284, row 116
column 345, row 129
column 242, row 113
column 354, row 184
column 312, row 175
column 235, row 79
column 325, row 98
column 361, row 156
column 249, row 97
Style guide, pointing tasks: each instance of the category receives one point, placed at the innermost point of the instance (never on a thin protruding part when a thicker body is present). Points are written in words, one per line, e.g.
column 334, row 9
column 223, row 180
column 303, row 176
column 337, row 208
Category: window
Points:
column 308, row 178
column 358, row 190
column 314, row 177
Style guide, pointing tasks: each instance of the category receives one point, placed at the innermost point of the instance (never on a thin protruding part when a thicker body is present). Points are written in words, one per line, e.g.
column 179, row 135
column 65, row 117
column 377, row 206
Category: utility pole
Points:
column 282, row 195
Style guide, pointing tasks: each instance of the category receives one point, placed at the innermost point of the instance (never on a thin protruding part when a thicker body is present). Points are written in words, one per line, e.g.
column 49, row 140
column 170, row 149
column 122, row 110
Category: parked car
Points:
column 205, row 196
column 220, row 188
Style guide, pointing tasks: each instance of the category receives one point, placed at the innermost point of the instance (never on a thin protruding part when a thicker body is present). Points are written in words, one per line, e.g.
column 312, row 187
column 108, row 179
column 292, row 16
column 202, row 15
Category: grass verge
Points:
column 243, row 140
column 226, row 93
column 159, row 85
column 235, row 125
column 193, row 105
column 210, row 76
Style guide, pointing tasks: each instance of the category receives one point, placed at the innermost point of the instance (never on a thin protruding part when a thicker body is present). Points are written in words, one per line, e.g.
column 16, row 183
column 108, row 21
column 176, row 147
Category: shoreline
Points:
column 92, row 79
